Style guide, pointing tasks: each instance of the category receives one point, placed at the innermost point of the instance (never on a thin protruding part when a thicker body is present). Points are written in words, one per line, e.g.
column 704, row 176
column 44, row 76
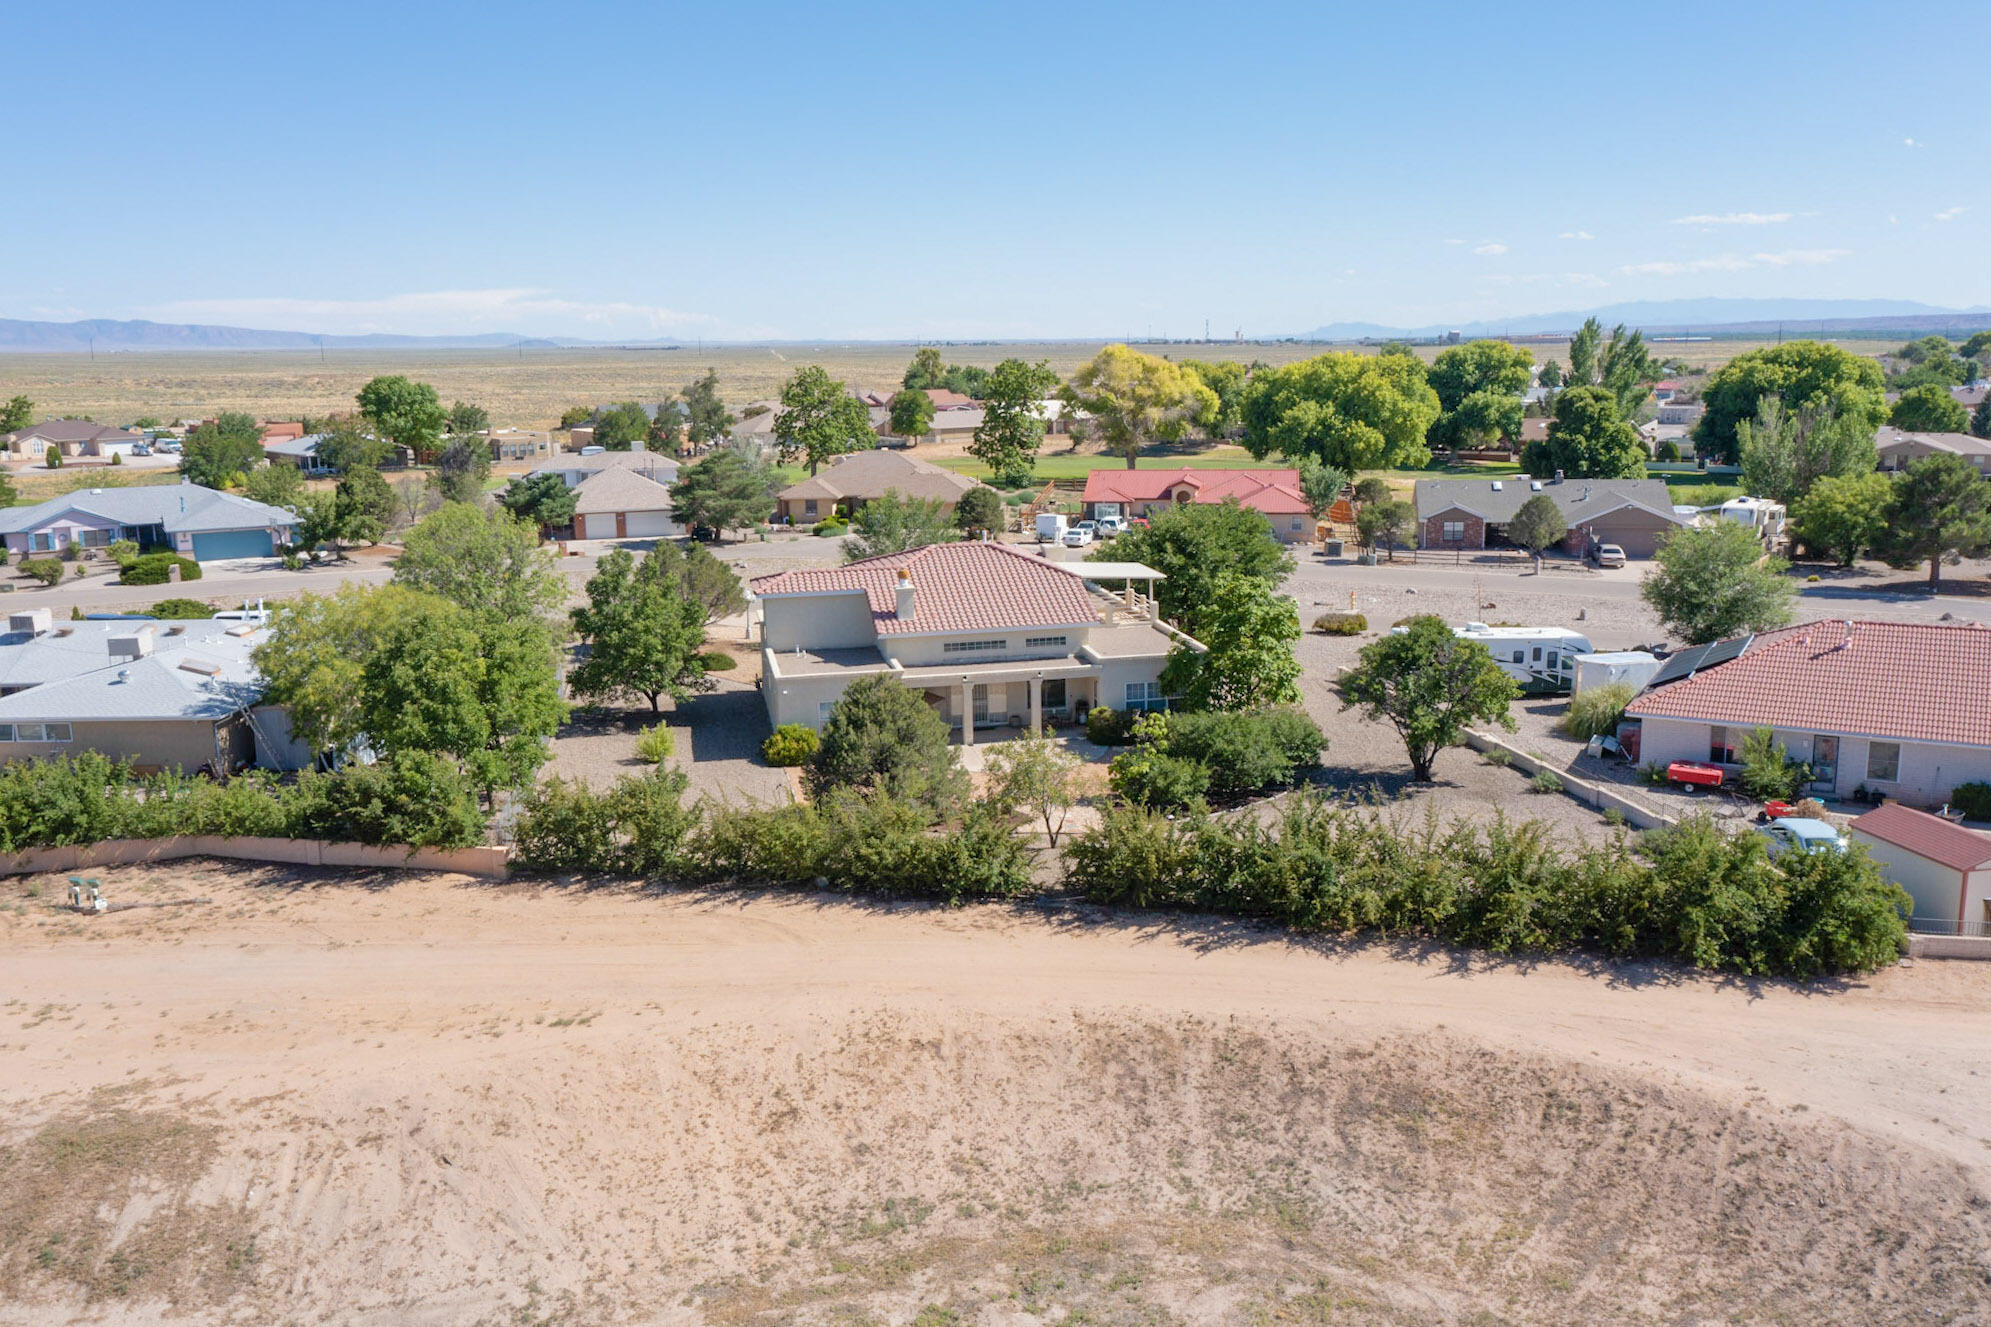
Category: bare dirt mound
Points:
column 893, row 1168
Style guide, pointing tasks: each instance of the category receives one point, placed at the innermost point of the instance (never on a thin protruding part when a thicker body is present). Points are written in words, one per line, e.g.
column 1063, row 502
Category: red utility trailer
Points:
column 1694, row 774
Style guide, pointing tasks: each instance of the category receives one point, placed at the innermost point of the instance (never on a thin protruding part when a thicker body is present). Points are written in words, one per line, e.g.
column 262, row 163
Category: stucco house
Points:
column 518, row 444
column 850, row 481
column 1117, row 491
column 160, row 695
column 575, row 469
column 195, row 522
column 620, row 503
column 69, row 437
column 1471, row 514
column 992, row 635
column 1897, row 449
column 1901, row 709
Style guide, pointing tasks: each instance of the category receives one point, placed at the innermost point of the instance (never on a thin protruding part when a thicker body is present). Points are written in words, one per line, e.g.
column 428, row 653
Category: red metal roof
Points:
column 1903, row 681
column 1927, row 836
column 1275, row 492
column 956, row 587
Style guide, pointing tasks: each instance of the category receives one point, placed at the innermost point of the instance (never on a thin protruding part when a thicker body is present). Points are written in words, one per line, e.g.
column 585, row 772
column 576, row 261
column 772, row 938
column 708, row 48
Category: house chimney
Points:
column 905, row 595
column 1558, row 476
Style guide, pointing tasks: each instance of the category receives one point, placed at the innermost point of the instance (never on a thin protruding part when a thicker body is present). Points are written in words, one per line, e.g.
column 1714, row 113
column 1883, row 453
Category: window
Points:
column 1551, row 661
column 1538, row 654
column 823, row 708
column 6, row 732
column 42, row 542
column 1721, row 750
column 1455, row 532
column 1043, row 642
column 809, row 507
column 94, row 538
column 1520, row 655
column 1883, row 761
column 1297, row 527
column 972, row 646
column 1145, row 696
column 1054, row 693
column 41, row 732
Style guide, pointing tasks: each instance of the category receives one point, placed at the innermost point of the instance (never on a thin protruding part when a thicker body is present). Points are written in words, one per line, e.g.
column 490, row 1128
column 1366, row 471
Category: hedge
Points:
column 157, row 569
column 1696, row 893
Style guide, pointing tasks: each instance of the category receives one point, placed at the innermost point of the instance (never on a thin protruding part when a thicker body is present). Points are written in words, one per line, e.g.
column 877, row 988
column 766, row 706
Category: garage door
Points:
column 232, row 544
column 649, row 523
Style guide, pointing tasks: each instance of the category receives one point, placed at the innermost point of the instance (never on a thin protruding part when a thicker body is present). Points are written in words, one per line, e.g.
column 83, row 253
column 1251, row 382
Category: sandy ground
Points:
column 402, row 1099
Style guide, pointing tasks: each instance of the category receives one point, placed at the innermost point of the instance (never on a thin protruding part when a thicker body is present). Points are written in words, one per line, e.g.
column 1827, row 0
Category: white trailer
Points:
column 1633, row 667
column 1541, row 659
column 1050, row 527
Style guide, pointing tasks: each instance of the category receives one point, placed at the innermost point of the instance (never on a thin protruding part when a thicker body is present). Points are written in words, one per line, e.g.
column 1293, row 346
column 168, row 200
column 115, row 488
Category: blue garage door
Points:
column 232, row 544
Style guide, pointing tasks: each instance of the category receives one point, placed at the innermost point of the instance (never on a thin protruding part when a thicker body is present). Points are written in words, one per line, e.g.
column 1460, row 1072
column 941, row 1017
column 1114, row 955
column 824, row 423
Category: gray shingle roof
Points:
column 619, row 490
column 179, row 508
column 1579, row 500
column 70, row 675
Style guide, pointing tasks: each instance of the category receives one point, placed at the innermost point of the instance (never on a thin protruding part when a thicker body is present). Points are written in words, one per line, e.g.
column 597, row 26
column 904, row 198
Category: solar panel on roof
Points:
column 1692, row 660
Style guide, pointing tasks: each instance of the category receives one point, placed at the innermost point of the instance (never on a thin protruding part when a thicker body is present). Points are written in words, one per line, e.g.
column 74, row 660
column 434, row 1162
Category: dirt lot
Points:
column 401, row 1099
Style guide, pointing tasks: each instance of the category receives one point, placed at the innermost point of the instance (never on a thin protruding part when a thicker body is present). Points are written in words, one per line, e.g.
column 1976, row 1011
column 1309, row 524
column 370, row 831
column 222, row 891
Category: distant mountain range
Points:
column 1714, row 317
column 105, row 334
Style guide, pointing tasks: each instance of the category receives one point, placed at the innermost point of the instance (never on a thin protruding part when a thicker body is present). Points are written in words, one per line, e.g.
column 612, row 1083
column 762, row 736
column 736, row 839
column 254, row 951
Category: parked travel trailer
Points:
column 1541, row 659
column 1050, row 527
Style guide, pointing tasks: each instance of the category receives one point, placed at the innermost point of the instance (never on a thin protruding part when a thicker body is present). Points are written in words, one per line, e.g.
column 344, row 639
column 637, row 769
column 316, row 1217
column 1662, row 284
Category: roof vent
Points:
column 124, row 674
column 31, row 623
column 201, row 666
column 242, row 629
column 1496, row 486
column 1534, row 485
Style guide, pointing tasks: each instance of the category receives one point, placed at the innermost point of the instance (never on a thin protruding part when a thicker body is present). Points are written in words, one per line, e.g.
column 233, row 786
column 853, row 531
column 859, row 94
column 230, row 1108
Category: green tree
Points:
column 277, row 485
column 1551, row 375
column 1353, row 412
column 1194, row 544
column 1036, row 775
column 1321, row 485
column 893, row 524
column 1804, row 375
column 311, row 661
column 1384, row 523
column 461, row 469
column 979, row 511
column 1428, row 684
column 223, row 453
column 545, row 500
column 1537, row 526
column 1928, row 409
column 16, row 414
column 724, row 491
column 363, row 505
column 667, row 427
column 576, row 415
column 1627, row 371
column 926, row 370
column 1372, row 489
column 1843, row 515
column 1249, row 631
column 1012, row 427
column 1713, row 582
column 621, row 426
column 820, row 419
column 1587, row 440
column 1977, row 346
column 911, row 413
column 706, row 418
column 699, row 577
column 1583, row 355
column 464, row 417
column 1228, row 380
column 478, row 687
column 349, row 443
column 1941, row 512
column 1479, row 386
column 485, row 560
column 882, row 737
column 406, row 413
column 1135, row 399
column 641, row 634
column 52, row 458
column 1785, row 452
column 1980, row 418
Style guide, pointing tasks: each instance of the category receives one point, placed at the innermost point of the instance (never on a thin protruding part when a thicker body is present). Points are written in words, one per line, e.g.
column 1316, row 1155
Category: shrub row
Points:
column 872, row 845
column 1696, row 894
column 157, row 569
column 1186, row 755
column 411, row 799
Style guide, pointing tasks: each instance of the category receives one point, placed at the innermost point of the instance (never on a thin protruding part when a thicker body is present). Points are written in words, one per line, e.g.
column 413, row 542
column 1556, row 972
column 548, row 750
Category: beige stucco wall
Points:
column 1115, row 674
column 818, row 622
column 798, row 699
column 1935, row 887
column 1928, row 772
column 168, row 745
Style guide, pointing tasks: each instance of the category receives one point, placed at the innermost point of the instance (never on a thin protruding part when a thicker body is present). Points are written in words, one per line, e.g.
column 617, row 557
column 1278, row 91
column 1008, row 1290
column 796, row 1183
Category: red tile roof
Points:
column 1927, row 836
column 1900, row 681
column 1275, row 492
column 956, row 587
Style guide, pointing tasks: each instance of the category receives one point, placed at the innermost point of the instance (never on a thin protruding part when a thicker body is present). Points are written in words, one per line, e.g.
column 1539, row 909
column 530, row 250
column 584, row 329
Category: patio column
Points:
column 1036, row 705
column 967, row 712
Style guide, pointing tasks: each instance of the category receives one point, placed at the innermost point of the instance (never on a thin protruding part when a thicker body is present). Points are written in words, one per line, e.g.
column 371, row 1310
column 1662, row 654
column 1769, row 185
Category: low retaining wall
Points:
column 1601, row 796
column 1948, row 946
column 493, row 863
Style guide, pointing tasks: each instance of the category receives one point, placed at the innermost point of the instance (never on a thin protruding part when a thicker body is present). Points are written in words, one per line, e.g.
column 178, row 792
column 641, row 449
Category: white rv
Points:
column 1541, row 659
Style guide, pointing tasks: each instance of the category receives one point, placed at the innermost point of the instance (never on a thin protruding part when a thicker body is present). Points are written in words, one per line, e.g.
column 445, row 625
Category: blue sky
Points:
column 930, row 171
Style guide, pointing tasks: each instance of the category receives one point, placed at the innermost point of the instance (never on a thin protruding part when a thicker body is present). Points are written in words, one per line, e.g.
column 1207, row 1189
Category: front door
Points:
column 622, row 525
column 1824, row 761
